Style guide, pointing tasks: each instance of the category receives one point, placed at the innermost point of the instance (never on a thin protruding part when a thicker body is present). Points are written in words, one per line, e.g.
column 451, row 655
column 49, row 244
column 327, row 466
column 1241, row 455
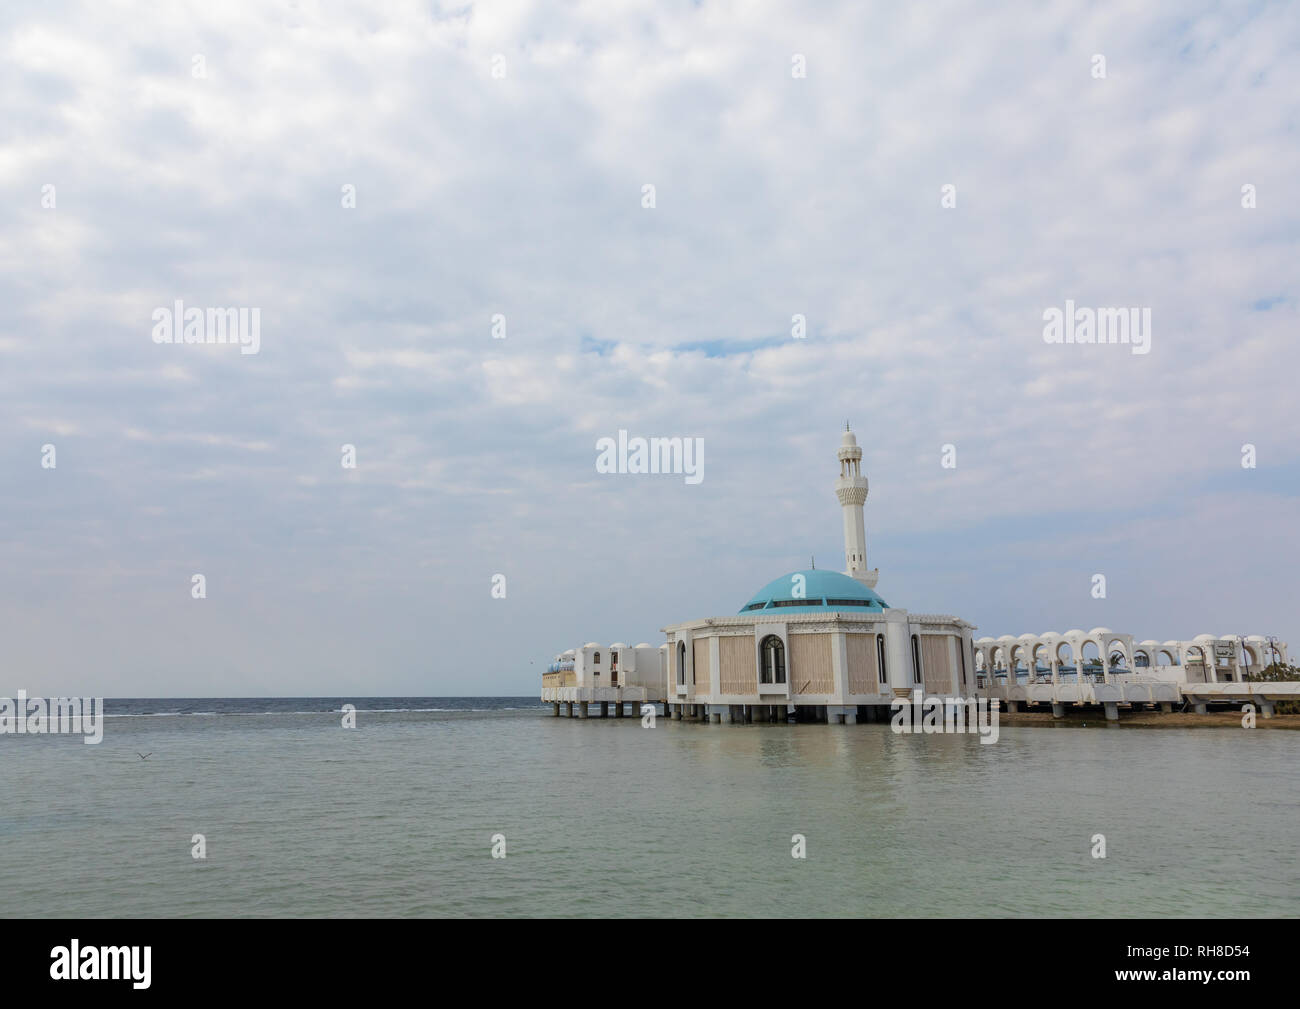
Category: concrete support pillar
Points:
column 1166, row 707
column 677, row 712
column 1265, row 707
column 582, row 709
column 1013, row 706
column 569, row 706
column 1112, row 711
column 604, row 709
column 618, row 709
column 716, row 715
column 1058, row 710
column 1199, row 707
column 556, row 706
column 749, row 714
column 851, row 716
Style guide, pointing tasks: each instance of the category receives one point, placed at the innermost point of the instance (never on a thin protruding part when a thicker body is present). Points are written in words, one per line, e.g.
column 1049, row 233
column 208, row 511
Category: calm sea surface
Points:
column 395, row 818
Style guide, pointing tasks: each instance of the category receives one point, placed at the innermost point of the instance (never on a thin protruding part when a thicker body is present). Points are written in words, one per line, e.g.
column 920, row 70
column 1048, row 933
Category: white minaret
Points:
column 851, row 489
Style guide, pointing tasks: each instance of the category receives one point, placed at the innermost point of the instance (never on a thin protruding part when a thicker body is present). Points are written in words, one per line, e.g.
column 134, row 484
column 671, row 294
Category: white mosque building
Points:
column 818, row 645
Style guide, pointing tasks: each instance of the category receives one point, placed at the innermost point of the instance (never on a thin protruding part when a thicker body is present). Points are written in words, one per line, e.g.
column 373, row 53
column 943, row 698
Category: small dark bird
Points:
column 144, row 756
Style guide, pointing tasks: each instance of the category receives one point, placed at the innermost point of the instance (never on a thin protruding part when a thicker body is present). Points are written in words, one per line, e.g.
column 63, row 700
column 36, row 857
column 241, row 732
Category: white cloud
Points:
column 521, row 196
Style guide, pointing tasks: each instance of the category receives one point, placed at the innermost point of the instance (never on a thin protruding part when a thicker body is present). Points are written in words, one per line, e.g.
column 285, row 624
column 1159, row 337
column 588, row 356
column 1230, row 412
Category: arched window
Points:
column 880, row 658
column 916, row 659
column 595, row 658
column 681, row 662
column 772, row 668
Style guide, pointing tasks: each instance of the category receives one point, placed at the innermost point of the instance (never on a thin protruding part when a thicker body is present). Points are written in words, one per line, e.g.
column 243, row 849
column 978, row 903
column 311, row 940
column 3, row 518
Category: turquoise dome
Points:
column 823, row 592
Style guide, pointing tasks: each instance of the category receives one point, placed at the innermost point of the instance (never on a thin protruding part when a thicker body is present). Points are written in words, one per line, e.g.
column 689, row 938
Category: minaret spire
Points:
column 851, row 489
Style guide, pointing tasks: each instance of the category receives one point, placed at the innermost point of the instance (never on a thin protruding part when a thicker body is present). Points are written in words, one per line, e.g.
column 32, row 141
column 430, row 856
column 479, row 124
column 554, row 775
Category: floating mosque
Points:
column 824, row 646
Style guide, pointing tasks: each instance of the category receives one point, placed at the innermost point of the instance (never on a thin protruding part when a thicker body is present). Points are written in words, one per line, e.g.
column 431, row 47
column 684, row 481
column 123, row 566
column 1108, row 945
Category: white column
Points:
column 898, row 650
column 840, row 665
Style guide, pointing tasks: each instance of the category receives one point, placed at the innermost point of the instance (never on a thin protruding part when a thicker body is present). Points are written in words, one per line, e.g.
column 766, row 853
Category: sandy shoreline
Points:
column 1147, row 720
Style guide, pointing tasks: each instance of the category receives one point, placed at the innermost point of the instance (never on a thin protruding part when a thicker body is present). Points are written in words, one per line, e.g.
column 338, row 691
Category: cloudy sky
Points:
column 498, row 153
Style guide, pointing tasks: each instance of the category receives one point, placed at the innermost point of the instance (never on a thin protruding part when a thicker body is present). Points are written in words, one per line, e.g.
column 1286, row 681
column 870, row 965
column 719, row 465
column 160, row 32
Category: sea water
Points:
column 402, row 816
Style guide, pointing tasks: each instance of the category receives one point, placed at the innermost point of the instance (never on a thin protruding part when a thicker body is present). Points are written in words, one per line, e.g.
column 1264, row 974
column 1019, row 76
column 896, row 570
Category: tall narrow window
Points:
column 772, row 651
column 916, row 659
column 681, row 662
column 880, row 658
column 961, row 648
column 595, row 658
